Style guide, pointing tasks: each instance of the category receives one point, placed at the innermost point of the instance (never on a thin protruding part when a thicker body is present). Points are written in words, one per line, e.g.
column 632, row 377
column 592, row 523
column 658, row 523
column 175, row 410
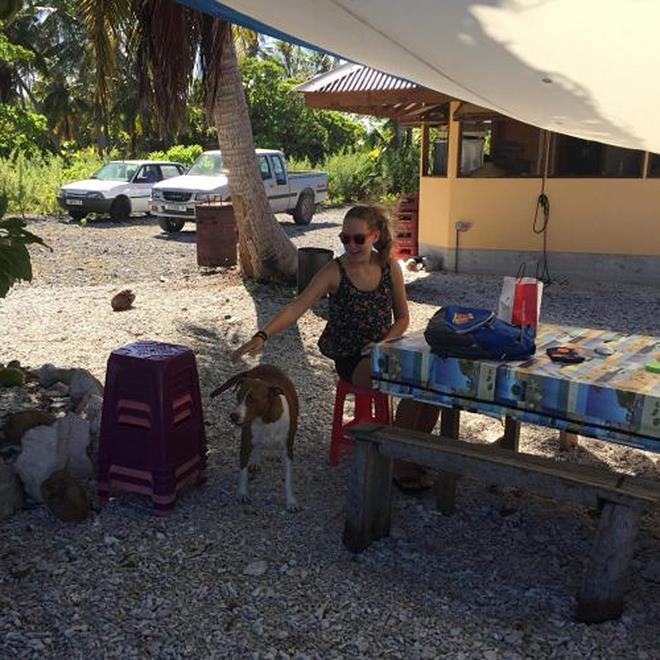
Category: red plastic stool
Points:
column 152, row 438
column 370, row 406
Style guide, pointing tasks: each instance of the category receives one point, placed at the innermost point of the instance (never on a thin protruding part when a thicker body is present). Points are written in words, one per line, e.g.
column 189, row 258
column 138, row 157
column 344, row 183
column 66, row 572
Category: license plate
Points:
column 73, row 202
column 174, row 207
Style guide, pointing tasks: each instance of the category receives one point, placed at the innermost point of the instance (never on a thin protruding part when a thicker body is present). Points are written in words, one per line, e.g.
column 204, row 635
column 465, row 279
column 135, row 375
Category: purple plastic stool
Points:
column 152, row 438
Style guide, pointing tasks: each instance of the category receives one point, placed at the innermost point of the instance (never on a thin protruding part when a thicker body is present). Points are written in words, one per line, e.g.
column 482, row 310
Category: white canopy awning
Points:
column 587, row 68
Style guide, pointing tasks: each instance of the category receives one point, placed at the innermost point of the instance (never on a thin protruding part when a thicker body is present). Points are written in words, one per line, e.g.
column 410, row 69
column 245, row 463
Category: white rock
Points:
column 256, row 568
column 38, row 459
column 11, row 493
column 45, row 449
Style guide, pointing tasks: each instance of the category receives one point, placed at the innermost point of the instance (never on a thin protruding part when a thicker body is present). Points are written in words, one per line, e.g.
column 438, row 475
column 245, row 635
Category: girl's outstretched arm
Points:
column 325, row 280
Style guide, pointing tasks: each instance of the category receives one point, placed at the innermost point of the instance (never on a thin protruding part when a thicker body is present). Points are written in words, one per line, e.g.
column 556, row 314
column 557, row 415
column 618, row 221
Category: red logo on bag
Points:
column 462, row 317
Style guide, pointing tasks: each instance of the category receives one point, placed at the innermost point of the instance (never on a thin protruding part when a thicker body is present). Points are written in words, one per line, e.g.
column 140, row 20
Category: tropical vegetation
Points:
column 82, row 81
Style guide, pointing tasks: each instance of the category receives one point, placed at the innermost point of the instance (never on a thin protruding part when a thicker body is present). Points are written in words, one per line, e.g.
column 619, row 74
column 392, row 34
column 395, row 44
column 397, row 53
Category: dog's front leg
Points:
column 254, row 462
column 246, row 450
column 291, row 504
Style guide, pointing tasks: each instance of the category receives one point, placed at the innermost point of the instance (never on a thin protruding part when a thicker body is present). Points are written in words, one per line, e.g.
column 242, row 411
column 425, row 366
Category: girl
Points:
column 367, row 304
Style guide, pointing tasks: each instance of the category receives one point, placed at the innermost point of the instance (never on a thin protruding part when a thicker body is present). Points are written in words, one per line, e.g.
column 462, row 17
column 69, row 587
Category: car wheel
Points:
column 77, row 215
column 304, row 211
column 171, row 225
column 120, row 211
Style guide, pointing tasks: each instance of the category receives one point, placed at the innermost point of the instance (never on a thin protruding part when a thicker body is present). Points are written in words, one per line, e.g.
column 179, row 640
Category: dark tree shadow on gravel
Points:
column 213, row 347
column 183, row 236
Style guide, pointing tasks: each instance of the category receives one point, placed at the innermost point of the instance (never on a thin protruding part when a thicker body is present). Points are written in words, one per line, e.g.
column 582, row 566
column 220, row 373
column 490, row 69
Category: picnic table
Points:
column 612, row 398
column 609, row 397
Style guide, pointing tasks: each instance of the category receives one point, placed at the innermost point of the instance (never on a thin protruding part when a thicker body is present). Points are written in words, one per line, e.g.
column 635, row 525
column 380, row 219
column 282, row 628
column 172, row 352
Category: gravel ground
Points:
column 222, row 579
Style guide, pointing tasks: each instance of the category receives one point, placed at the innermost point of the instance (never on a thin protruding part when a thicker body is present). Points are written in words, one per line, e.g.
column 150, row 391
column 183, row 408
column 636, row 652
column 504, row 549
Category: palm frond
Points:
column 165, row 40
column 104, row 21
column 214, row 34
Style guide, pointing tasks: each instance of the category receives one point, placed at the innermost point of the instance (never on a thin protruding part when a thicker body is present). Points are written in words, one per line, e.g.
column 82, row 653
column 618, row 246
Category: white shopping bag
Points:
column 520, row 301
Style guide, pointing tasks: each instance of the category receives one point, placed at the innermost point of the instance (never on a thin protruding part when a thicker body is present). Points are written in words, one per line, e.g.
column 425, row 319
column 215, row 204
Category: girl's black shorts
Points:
column 345, row 366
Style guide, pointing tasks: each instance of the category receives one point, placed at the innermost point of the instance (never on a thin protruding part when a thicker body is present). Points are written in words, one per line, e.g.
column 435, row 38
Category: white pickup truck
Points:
column 174, row 201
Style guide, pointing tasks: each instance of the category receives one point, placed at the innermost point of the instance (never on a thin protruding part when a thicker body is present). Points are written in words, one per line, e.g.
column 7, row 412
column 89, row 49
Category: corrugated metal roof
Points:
column 355, row 78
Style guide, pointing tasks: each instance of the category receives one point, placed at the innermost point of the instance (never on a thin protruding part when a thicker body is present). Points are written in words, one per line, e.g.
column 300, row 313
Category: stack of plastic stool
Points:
column 152, row 438
column 370, row 406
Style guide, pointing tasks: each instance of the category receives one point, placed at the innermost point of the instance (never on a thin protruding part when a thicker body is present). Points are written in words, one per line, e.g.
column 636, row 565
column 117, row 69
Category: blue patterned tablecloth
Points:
column 612, row 398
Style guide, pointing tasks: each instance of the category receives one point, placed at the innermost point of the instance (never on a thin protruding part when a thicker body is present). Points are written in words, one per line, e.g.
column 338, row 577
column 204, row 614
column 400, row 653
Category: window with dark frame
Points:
column 438, row 145
column 499, row 147
column 148, row 174
column 170, row 171
column 264, row 167
column 574, row 157
column 280, row 173
column 653, row 171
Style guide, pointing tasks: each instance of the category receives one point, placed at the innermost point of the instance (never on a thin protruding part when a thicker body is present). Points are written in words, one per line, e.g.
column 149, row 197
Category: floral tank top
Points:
column 356, row 317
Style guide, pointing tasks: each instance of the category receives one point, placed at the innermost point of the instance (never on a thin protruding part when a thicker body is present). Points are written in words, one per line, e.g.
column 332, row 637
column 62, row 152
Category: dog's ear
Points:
column 234, row 380
column 274, row 391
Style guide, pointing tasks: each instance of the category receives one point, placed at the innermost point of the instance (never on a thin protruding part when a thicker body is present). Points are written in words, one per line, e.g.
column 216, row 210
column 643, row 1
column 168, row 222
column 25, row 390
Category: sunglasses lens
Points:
column 358, row 239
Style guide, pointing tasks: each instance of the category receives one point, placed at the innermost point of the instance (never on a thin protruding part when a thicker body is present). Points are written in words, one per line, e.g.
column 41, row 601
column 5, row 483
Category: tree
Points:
column 169, row 39
column 53, row 78
column 299, row 62
column 280, row 118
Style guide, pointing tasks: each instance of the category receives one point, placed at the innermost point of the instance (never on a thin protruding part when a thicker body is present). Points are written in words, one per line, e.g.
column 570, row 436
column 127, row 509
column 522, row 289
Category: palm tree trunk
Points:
column 264, row 249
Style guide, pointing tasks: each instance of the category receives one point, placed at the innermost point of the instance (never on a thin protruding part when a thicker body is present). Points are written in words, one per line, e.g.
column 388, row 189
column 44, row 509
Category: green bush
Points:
column 21, row 131
column 186, row 155
column 299, row 164
column 352, row 177
column 81, row 164
column 31, row 183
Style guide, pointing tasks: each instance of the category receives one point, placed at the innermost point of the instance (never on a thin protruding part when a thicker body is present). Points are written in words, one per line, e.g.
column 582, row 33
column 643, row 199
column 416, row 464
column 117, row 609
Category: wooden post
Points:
column 424, row 155
column 369, row 497
column 601, row 595
column 511, row 438
column 453, row 144
column 444, row 488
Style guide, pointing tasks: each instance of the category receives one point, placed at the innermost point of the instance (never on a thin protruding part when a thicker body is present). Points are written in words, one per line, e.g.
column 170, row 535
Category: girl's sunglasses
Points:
column 358, row 239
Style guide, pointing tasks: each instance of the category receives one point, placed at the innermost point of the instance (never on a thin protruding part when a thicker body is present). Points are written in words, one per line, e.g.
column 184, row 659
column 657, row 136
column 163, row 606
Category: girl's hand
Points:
column 252, row 347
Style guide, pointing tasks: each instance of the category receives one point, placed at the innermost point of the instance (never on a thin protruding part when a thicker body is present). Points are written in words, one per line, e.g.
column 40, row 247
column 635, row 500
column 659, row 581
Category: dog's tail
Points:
column 234, row 380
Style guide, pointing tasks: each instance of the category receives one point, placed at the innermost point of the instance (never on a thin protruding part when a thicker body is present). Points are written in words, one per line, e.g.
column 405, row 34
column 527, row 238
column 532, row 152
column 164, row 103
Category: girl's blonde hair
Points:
column 376, row 221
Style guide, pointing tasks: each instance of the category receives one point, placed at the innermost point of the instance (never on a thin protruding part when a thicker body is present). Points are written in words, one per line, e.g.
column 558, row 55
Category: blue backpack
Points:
column 470, row 332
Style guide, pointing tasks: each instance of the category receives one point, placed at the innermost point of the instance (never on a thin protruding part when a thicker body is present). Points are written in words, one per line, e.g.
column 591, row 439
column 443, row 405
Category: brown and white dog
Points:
column 267, row 412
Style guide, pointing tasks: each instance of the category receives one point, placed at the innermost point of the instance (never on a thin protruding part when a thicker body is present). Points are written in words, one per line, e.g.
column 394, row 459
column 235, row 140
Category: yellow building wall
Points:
column 433, row 211
column 608, row 216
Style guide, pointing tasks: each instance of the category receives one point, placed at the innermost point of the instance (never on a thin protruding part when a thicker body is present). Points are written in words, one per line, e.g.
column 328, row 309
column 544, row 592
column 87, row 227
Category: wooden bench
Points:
column 621, row 499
